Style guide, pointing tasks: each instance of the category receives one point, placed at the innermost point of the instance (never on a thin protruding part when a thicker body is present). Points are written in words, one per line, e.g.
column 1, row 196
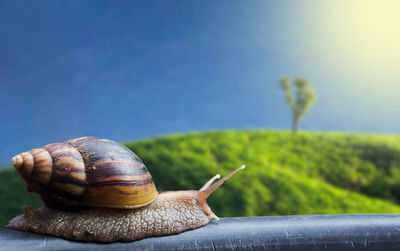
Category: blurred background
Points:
column 210, row 73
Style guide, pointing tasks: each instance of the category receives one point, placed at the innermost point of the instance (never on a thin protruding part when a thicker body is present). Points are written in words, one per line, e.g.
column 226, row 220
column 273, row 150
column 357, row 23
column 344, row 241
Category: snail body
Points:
column 98, row 190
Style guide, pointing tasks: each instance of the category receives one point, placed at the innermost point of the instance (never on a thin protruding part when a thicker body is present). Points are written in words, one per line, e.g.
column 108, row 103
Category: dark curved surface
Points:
column 311, row 232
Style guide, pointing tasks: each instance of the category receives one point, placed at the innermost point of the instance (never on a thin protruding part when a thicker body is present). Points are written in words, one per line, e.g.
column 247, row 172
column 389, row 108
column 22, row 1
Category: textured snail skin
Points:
column 170, row 213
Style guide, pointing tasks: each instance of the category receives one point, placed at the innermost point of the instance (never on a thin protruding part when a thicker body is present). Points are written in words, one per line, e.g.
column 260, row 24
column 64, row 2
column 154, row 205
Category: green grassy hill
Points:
column 312, row 173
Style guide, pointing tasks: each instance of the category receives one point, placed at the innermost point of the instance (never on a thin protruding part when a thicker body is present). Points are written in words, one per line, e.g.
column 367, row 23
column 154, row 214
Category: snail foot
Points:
column 29, row 212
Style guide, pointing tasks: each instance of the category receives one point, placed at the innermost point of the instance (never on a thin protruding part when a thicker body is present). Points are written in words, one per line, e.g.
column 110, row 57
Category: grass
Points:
column 312, row 173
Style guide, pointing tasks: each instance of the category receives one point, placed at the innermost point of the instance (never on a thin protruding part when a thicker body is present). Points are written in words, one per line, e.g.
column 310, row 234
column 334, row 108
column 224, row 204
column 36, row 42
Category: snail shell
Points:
column 86, row 171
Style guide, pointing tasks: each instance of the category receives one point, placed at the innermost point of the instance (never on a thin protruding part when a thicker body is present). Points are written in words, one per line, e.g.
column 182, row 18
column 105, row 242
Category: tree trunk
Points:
column 295, row 124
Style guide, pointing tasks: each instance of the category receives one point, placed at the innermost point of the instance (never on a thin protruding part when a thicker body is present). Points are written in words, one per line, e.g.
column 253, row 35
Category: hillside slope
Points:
column 312, row 173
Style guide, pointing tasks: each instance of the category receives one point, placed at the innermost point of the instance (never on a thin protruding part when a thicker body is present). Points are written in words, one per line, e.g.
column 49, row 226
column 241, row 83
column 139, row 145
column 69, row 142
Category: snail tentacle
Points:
column 205, row 186
column 212, row 187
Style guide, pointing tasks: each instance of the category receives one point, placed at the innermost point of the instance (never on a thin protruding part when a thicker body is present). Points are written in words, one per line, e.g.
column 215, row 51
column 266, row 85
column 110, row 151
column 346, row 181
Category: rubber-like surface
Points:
column 312, row 232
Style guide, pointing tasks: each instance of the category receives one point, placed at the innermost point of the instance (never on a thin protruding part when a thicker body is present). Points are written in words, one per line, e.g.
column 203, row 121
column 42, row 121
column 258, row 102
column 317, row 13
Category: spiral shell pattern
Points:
column 86, row 171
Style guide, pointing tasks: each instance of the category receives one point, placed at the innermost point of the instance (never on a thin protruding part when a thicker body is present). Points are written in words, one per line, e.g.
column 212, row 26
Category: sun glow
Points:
column 362, row 35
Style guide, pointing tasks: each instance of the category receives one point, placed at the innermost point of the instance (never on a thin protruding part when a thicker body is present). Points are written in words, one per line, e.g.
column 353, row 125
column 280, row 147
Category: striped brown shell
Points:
column 86, row 171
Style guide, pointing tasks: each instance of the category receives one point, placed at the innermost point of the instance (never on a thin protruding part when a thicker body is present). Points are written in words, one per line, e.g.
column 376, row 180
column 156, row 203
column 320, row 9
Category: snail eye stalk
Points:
column 210, row 187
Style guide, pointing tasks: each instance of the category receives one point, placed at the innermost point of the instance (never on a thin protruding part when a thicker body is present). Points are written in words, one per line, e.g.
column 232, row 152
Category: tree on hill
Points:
column 302, row 102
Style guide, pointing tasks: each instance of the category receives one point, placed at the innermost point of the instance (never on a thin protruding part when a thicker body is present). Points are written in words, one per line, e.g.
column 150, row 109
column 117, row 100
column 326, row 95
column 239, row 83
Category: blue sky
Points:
column 128, row 70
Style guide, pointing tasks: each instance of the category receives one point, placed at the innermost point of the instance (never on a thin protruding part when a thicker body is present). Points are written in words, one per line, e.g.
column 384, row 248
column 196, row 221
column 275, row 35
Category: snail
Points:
column 96, row 189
